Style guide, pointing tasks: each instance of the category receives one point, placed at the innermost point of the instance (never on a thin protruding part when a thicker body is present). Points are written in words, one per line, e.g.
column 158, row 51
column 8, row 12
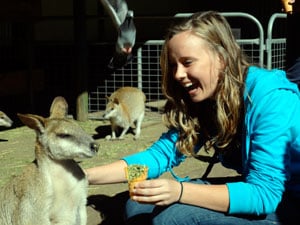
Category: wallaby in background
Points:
column 125, row 107
column 53, row 188
column 5, row 121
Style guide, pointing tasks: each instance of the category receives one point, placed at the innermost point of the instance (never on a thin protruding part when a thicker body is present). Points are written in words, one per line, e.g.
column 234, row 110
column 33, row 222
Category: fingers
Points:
column 159, row 192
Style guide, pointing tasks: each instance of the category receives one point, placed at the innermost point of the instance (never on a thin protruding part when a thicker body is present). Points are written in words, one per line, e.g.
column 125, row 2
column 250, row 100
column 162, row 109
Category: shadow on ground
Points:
column 110, row 209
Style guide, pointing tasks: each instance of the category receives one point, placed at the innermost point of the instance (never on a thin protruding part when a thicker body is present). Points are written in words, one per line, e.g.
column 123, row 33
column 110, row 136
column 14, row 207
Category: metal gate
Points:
column 276, row 43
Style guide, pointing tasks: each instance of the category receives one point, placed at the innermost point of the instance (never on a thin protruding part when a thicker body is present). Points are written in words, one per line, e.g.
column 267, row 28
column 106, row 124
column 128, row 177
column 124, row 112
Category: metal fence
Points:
column 276, row 42
column 143, row 72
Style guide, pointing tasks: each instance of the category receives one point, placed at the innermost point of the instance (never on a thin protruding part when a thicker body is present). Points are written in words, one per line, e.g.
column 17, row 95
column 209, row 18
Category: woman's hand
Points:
column 157, row 191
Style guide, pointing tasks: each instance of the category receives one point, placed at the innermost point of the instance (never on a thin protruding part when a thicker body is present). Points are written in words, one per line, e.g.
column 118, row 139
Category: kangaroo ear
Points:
column 59, row 108
column 116, row 101
column 34, row 122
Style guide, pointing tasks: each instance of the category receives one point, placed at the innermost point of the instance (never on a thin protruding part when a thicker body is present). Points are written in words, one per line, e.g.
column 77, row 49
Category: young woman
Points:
column 215, row 98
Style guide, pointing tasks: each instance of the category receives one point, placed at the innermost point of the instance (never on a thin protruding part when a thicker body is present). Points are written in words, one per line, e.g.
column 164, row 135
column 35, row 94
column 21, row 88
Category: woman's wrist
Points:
column 181, row 192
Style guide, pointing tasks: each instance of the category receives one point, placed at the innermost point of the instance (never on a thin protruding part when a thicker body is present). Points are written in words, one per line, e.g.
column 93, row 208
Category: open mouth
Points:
column 190, row 86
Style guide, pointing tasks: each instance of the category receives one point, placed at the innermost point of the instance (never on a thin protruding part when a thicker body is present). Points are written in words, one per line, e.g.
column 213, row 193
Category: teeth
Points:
column 188, row 85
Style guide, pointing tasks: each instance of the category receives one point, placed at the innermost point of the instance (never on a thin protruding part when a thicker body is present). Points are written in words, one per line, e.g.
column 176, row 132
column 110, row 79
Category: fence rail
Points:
column 275, row 47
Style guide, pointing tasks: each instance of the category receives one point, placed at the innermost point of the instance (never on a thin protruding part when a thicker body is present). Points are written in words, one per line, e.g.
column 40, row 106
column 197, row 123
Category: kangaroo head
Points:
column 59, row 137
column 5, row 121
column 112, row 108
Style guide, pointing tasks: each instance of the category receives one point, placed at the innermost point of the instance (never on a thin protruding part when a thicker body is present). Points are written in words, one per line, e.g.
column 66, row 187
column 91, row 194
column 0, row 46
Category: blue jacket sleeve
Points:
column 271, row 128
column 161, row 157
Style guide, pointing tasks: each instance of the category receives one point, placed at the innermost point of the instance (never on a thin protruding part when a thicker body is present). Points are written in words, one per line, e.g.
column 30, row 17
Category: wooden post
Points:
column 80, row 67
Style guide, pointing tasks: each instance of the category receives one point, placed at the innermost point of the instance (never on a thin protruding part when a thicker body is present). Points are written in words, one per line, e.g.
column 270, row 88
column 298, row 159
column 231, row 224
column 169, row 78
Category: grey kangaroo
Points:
column 53, row 188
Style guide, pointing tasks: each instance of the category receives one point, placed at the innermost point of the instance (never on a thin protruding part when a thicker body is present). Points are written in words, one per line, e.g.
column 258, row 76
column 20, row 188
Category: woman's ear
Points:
column 222, row 63
column 222, row 67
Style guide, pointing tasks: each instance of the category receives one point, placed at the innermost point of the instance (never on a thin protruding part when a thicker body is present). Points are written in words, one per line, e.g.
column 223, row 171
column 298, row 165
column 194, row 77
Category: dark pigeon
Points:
column 122, row 19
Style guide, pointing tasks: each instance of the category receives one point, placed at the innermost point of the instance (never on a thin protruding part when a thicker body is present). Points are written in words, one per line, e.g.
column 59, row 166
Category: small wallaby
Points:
column 53, row 188
column 125, row 107
column 5, row 121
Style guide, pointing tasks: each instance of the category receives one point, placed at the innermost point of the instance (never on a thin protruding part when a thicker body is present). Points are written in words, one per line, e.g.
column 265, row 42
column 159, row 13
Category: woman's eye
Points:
column 187, row 62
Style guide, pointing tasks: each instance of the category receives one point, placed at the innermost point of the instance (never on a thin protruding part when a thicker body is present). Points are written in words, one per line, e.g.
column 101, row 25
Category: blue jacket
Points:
column 271, row 145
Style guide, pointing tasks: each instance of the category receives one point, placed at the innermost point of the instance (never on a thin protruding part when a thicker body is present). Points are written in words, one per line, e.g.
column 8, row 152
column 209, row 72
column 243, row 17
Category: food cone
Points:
column 135, row 173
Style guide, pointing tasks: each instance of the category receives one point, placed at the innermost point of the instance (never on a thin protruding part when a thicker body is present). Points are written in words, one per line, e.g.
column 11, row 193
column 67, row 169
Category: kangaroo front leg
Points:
column 138, row 126
column 124, row 132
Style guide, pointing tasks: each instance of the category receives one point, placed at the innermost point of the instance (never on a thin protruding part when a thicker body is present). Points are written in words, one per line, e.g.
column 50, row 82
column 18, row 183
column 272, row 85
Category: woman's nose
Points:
column 179, row 73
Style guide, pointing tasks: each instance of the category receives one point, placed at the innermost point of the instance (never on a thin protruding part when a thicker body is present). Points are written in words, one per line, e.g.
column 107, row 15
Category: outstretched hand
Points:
column 157, row 191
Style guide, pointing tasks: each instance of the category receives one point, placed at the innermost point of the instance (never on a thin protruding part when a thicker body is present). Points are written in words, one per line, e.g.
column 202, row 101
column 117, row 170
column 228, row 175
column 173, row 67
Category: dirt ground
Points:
column 105, row 202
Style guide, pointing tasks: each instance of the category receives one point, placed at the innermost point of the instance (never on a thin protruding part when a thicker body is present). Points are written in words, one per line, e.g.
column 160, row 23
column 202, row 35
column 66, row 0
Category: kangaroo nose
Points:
column 94, row 147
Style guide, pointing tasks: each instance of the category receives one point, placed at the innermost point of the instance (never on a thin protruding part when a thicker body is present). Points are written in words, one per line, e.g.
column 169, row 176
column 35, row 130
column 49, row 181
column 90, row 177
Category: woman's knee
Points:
column 177, row 214
column 134, row 209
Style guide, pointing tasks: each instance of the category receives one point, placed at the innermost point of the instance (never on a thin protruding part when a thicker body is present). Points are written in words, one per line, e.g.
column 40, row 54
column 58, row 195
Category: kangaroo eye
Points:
column 62, row 135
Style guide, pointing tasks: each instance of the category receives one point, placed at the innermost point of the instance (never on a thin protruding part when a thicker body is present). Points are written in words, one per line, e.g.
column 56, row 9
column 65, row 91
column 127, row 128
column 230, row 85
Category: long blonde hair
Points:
column 217, row 122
